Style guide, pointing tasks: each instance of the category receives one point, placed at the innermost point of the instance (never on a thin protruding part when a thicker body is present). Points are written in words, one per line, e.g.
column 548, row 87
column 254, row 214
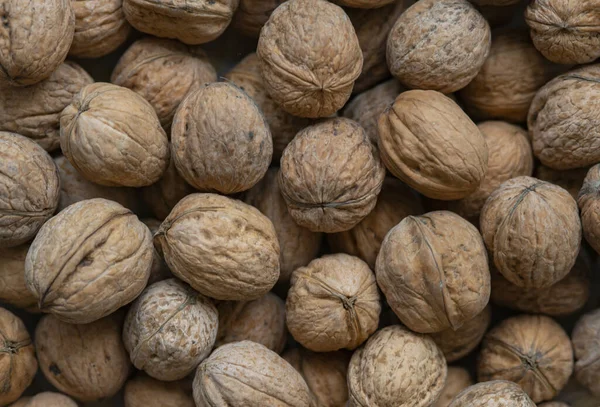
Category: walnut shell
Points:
column 586, row 344
column 532, row 231
column 252, row 15
column 571, row 180
column 495, row 393
column 265, row 378
column 29, row 189
column 159, row 271
column 330, row 176
column 428, row 142
column 589, row 203
column 438, row 45
column 13, row 289
column 87, row 362
column 144, row 391
column 222, row 247
column 433, row 271
column 46, row 399
column 88, row 261
column 309, row 71
column 457, row 380
column 530, row 350
column 396, row 368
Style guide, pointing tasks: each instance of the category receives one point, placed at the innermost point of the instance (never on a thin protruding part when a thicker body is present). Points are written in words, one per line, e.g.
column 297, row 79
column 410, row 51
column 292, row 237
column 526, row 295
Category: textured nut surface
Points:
column 433, row 271
column 144, row 391
column 457, row 380
column 571, row 180
column 88, row 261
column 428, row 142
column 396, row 368
column 46, row 399
column 13, row 289
column 589, row 203
column 438, row 45
column 222, row 247
column 330, row 176
column 586, row 344
column 252, row 15
column 310, row 57
column 159, row 271
column 495, row 393
column 532, row 231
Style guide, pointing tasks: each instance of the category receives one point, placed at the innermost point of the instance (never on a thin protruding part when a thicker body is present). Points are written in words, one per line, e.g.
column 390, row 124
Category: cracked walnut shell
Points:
column 495, row 393
column 586, row 344
column 144, row 391
column 589, row 203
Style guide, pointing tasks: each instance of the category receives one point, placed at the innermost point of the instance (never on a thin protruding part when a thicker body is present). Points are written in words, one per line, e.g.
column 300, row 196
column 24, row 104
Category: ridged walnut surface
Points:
column 496, row 393
column 46, row 399
column 586, row 344
column 13, row 289
column 589, row 203
column 144, row 391
column 252, row 15
column 457, row 380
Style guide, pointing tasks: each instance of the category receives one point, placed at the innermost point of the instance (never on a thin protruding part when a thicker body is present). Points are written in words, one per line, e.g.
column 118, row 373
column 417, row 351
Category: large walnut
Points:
column 46, row 399
column 495, row 393
column 13, row 289
column 571, row 180
column 310, row 57
column 589, row 203
column 586, row 343
column 252, row 15
column 159, row 271
column 457, row 380
column 144, row 391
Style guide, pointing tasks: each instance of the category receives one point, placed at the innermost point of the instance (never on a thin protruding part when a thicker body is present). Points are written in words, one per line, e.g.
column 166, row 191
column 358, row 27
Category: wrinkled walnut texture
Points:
column 495, row 393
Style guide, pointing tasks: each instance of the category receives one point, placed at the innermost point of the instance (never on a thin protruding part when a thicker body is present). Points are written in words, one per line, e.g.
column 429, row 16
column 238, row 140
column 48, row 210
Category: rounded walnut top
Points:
column 495, row 393
column 46, row 399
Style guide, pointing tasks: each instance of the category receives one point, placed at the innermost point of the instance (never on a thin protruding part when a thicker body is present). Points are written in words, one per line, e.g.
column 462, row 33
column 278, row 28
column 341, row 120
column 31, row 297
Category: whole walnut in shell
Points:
column 144, row 391
column 46, row 399
column 159, row 271
column 396, row 368
column 252, row 15
column 457, row 380
column 310, row 57
column 428, row 142
column 29, row 189
column 246, row 373
column 589, row 203
column 88, row 261
column 333, row 303
column 532, row 231
column 495, row 393
column 438, row 45
column 222, row 247
column 571, row 180
column 586, row 344
column 433, row 271
column 530, row 350
column 13, row 289
column 330, row 176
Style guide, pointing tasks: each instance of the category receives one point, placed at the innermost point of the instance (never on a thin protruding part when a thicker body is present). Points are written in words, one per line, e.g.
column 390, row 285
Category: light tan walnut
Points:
column 144, row 391
column 457, row 380
column 494, row 393
column 586, row 344
column 46, row 399
column 13, row 289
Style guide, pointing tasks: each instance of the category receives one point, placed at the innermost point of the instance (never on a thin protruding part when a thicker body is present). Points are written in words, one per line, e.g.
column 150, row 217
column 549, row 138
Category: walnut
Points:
column 246, row 373
column 396, row 368
column 46, row 399
column 36, row 40
column 495, row 393
column 457, row 380
column 438, row 45
column 88, row 261
column 29, row 189
column 333, row 303
column 163, row 72
column 530, row 350
column 554, row 404
column 222, row 247
column 112, row 136
column 330, row 176
column 252, row 15
column 87, row 362
column 499, row 3
column 159, row 271
column 309, row 71
column 433, row 271
column 13, row 289
column 427, row 141
column 586, row 344
column 532, row 231
column 589, row 203
column 571, row 180
column 144, row 391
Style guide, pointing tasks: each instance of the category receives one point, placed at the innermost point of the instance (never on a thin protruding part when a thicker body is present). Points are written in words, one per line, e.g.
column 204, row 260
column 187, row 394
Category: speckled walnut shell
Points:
column 144, row 391
column 88, row 261
column 589, row 202
column 13, row 289
column 433, row 271
column 222, row 247
column 310, row 57
column 532, row 231
column 396, row 368
column 112, row 136
column 159, row 271
column 46, row 399
column 438, row 45
column 29, row 189
column 87, row 362
column 530, row 350
column 246, row 373
column 34, row 41
column 571, row 180
column 163, row 72
column 428, row 142
column 333, row 303
column 586, row 344
column 457, row 380
column 252, row 15
column 495, row 393
column 330, row 176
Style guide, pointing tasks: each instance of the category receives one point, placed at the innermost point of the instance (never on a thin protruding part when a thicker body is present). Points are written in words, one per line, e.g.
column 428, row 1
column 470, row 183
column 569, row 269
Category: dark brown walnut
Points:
column 532, row 231
column 428, row 142
column 159, row 271
column 112, row 136
column 29, row 189
column 589, row 202
column 34, row 40
column 252, row 15
column 46, row 399
column 144, row 391
column 571, row 180
column 333, row 303
column 433, row 271
column 586, row 344
column 530, row 350
column 163, row 72
column 246, row 373
column 13, row 289
column 331, row 175
column 457, row 380
column 438, row 45
column 495, row 393
column 396, row 368
column 88, row 261
column 87, row 362
column 220, row 139
column 222, row 247
column 310, row 57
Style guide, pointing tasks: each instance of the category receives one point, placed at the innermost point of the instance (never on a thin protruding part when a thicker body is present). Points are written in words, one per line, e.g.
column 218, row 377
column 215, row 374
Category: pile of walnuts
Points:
column 377, row 203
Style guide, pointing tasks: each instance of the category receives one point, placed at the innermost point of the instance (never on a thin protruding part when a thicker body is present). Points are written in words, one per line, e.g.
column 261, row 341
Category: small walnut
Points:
column 438, row 45
column 457, row 380
column 46, row 399
column 309, row 71
column 427, row 141
column 29, row 189
column 396, row 368
column 222, row 247
column 589, row 203
column 495, row 393
column 252, row 15
column 532, row 231
column 144, row 391
column 88, row 261
column 586, row 343
column 13, row 289
column 433, row 271
column 571, row 180
column 159, row 271
column 530, row 350
column 330, row 176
